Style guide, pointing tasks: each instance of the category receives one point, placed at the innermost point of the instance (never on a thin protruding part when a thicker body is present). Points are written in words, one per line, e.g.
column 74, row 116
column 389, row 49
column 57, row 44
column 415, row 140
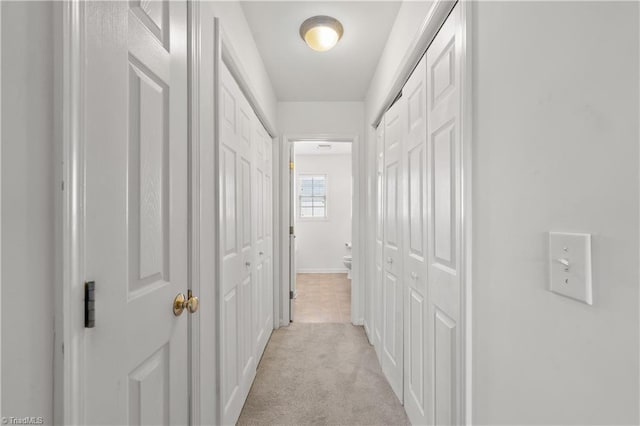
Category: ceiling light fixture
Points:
column 321, row 33
column 323, row 147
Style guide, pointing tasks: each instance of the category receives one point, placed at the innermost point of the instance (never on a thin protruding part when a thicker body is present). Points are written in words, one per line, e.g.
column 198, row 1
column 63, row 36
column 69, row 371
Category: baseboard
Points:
column 323, row 271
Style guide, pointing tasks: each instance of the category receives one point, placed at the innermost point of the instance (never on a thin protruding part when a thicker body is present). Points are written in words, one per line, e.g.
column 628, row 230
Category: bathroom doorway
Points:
column 321, row 188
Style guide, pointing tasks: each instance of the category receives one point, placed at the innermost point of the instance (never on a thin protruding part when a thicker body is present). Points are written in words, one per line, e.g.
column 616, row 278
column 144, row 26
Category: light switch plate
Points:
column 570, row 265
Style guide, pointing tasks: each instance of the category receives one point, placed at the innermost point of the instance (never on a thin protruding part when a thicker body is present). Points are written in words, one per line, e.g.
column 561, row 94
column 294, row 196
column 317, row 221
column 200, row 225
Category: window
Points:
column 312, row 200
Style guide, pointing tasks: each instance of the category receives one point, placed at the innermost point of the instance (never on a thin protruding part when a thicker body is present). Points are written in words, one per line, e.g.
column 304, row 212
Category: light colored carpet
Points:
column 321, row 374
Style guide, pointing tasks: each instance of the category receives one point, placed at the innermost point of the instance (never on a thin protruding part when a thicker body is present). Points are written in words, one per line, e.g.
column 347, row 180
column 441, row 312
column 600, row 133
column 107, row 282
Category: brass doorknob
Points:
column 193, row 304
column 180, row 302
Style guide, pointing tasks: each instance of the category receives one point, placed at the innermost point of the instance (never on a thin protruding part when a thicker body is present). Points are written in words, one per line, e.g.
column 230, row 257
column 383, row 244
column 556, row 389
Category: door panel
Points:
column 417, row 361
column 236, row 224
column 264, row 241
column 379, row 247
column 135, row 113
column 444, row 345
column 444, row 219
column 392, row 339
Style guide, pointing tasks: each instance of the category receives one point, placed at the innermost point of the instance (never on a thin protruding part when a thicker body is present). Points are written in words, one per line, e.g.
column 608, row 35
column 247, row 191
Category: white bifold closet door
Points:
column 263, row 205
column 392, row 355
column 244, row 185
column 444, row 212
column 417, row 304
column 416, row 357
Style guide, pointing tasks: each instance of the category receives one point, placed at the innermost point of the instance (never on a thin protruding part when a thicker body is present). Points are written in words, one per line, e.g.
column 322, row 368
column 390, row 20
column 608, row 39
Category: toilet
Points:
column 347, row 262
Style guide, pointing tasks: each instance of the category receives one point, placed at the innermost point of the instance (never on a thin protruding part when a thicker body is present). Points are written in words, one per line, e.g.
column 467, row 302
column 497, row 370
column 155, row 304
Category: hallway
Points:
column 321, row 374
column 170, row 168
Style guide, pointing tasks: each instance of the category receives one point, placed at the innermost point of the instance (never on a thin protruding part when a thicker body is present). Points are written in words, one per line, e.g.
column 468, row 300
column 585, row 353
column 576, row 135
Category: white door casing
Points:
column 236, row 252
column 291, row 232
column 392, row 336
column 444, row 212
column 379, row 242
column 135, row 223
column 416, row 357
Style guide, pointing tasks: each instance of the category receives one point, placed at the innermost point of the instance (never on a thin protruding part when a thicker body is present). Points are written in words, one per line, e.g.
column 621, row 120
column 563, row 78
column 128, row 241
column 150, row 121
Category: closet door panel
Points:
column 379, row 242
column 444, row 219
column 393, row 282
column 263, row 295
column 416, row 365
column 238, row 361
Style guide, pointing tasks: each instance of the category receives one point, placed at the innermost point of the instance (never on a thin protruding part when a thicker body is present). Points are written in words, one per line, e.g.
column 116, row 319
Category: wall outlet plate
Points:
column 570, row 265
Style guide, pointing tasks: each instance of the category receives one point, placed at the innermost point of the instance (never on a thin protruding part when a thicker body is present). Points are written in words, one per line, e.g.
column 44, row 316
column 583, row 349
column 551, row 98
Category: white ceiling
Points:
column 299, row 73
column 311, row 148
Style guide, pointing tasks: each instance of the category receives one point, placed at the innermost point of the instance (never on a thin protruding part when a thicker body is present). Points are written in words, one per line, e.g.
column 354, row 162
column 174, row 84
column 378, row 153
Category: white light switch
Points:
column 570, row 265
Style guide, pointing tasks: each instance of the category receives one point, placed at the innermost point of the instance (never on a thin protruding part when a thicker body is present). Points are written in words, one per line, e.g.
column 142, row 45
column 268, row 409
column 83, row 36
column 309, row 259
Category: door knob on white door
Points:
column 389, row 260
column 247, row 264
column 180, row 302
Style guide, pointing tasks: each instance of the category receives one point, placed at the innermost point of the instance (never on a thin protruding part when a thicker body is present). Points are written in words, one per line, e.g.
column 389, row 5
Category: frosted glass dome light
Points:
column 321, row 33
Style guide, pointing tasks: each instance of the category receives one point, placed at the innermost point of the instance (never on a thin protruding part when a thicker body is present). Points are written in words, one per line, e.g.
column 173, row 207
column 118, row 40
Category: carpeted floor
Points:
column 322, row 374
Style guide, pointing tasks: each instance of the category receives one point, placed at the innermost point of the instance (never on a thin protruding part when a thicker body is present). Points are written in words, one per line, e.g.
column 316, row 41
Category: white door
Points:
column 135, row 112
column 263, row 296
column 392, row 346
column 379, row 246
column 416, row 357
column 236, row 251
column 444, row 219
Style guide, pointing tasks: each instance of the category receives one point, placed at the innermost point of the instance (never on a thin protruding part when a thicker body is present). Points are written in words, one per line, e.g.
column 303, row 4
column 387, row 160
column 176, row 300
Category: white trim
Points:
column 277, row 273
column 283, row 311
column 217, row 68
column 466, row 125
column 323, row 271
column 428, row 30
column 73, row 211
column 1, row 144
column 194, row 196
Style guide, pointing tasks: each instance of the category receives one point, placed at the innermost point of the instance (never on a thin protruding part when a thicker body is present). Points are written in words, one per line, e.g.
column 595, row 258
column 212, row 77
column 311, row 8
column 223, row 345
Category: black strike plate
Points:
column 89, row 304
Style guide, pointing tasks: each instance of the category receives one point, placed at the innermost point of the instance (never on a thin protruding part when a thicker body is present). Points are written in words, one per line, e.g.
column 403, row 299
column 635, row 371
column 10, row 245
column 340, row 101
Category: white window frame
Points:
column 326, row 197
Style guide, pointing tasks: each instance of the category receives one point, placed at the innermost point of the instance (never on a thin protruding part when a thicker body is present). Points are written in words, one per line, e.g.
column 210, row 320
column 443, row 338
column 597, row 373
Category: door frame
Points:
column 357, row 298
column 70, row 307
column 429, row 28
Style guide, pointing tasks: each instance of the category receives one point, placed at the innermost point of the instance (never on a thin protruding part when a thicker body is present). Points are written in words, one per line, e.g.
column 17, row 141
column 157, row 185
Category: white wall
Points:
column 408, row 22
column 345, row 118
column 28, row 189
column 555, row 148
column 235, row 26
column 320, row 243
